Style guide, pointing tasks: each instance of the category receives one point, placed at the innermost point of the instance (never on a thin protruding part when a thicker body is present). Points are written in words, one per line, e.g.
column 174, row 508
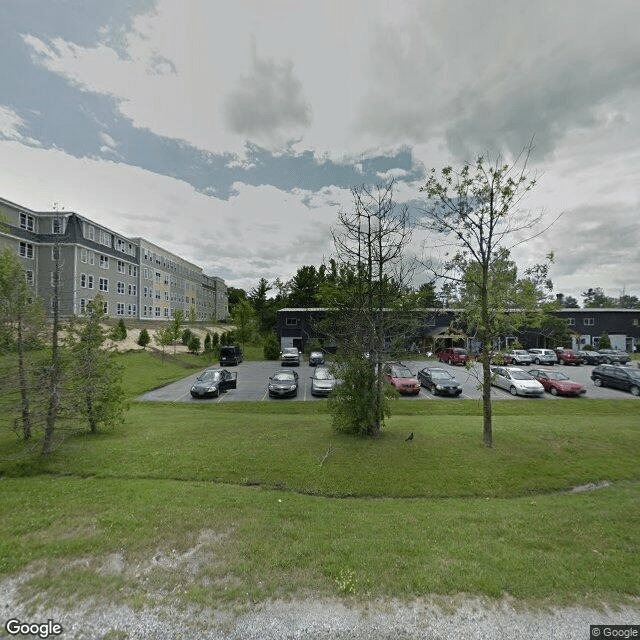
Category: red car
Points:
column 557, row 383
column 453, row 355
column 567, row 356
column 400, row 377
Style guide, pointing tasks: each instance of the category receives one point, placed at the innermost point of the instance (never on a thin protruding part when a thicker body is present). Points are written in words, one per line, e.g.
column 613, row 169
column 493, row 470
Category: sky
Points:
column 232, row 131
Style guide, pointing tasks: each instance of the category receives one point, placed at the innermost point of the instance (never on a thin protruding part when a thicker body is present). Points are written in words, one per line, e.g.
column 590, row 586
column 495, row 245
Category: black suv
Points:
column 230, row 354
column 625, row 378
column 614, row 355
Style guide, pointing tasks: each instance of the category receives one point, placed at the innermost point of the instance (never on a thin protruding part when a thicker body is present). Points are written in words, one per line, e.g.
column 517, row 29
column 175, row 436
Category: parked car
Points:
column 516, row 381
column 399, row 376
column 230, row 354
column 543, row 356
column 590, row 357
column 517, row 356
column 609, row 375
column 566, row 356
column 557, row 383
column 289, row 357
column 453, row 355
column 283, row 383
column 323, row 382
column 316, row 358
column 609, row 356
column 211, row 382
column 439, row 381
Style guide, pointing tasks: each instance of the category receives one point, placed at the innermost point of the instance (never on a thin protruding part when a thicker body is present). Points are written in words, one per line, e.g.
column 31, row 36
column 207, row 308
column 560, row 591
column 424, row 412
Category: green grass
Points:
column 246, row 501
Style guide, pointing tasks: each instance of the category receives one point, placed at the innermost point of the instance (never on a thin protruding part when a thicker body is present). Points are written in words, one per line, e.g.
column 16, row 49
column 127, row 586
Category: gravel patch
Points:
column 436, row 618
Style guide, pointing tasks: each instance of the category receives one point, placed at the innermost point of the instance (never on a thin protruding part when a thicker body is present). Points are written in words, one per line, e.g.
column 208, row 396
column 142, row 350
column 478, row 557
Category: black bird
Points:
column 409, row 438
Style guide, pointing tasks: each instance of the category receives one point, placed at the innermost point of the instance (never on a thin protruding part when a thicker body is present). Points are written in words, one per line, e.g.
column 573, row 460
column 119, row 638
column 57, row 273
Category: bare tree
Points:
column 474, row 215
column 367, row 300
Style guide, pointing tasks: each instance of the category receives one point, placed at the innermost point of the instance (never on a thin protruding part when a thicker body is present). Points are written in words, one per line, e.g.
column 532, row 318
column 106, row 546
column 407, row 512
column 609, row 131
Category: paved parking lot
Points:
column 254, row 376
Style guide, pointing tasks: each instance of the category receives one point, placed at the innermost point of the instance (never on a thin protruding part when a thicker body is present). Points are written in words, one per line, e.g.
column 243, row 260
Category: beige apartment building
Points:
column 136, row 278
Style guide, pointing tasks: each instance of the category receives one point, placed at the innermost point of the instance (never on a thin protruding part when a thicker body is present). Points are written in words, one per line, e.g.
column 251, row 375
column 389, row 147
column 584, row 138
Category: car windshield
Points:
column 316, row 354
column 441, row 374
column 520, row 375
column 290, row 352
column 323, row 374
column 284, row 377
column 558, row 376
column 460, row 352
column 401, row 372
column 210, row 376
column 520, row 352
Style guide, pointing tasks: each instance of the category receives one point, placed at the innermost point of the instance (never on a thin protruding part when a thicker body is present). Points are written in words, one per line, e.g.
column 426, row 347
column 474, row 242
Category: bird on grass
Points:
column 409, row 438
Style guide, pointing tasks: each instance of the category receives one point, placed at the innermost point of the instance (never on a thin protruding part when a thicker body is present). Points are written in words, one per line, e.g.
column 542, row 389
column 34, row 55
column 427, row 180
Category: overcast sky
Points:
column 230, row 132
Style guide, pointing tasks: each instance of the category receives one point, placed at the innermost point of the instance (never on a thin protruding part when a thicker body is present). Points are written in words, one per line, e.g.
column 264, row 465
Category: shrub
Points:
column 271, row 347
column 186, row 337
column 119, row 332
column 194, row 344
column 144, row 338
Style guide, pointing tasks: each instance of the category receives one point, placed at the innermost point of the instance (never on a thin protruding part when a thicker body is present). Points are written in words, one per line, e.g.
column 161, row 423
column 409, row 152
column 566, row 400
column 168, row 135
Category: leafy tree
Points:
column 164, row 337
column 264, row 307
column 235, row 295
column 243, row 317
column 144, row 339
column 21, row 327
column 626, row 301
column 95, row 388
column 175, row 326
column 367, row 295
column 207, row 343
column 596, row 298
column 304, row 287
column 271, row 349
column 193, row 316
column 474, row 215
column 566, row 302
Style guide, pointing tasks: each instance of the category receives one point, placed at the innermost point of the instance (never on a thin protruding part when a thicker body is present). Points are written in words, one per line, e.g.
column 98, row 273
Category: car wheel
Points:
column 554, row 391
column 537, row 360
column 513, row 391
column 635, row 390
column 598, row 382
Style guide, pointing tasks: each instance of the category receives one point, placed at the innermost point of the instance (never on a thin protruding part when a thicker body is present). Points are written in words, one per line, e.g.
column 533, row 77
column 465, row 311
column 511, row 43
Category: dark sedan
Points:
column 618, row 377
column 211, row 382
column 590, row 357
column 439, row 381
column 557, row 383
column 610, row 356
column 283, row 384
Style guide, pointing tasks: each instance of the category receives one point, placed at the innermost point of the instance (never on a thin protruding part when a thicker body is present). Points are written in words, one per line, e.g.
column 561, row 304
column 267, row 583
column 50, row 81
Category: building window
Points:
column 91, row 257
column 120, row 309
column 105, row 238
column 133, row 270
column 26, row 222
column 26, row 250
column 588, row 322
column 83, row 305
column 56, row 226
column 55, row 252
column 166, row 313
column 122, row 267
column 83, row 280
column 104, row 262
column 28, row 274
column 89, row 232
column 291, row 322
column 120, row 287
column 571, row 322
column 104, row 284
column 157, row 312
column 105, row 307
column 83, row 255
column 89, row 281
column 133, row 290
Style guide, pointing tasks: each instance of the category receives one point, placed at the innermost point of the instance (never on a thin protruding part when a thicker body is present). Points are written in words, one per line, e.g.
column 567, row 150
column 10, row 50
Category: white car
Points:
column 516, row 381
column 518, row 356
column 543, row 356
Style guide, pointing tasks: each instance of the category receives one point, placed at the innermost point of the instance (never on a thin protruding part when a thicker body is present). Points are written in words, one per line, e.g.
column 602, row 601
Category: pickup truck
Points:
column 453, row 355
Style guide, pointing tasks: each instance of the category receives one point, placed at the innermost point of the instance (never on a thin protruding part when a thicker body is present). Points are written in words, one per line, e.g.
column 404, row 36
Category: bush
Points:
column 187, row 334
column 207, row 343
column 119, row 332
column 144, row 338
column 194, row 344
column 271, row 347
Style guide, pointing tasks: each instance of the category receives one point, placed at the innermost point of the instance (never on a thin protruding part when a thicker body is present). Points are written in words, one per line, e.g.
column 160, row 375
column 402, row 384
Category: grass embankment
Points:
column 228, row 501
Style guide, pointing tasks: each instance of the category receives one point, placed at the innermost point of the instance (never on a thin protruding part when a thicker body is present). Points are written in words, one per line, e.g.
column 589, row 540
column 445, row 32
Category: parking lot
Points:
column 253, row 378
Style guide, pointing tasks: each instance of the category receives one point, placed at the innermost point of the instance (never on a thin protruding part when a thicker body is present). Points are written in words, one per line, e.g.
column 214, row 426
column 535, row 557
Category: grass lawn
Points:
column 241, row 501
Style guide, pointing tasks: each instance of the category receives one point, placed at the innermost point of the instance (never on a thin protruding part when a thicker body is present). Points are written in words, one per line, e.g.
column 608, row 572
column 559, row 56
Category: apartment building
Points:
column 135, row 278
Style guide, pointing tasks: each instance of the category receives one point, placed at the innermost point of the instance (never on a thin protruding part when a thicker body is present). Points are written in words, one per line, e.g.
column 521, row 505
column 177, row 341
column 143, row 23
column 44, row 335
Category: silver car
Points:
column 516, row 381
column 543, row 356
column 323, row 382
